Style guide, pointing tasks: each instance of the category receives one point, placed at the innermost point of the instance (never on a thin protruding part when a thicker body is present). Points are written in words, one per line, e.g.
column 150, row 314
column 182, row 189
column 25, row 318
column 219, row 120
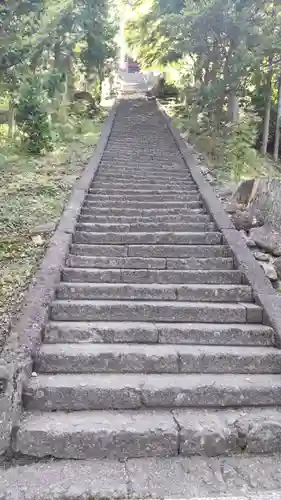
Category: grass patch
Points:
column 33, row 191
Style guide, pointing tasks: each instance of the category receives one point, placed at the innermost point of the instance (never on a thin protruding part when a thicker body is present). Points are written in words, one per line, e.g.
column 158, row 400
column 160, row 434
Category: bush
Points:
column 239, row 141
column 32, row 116
column 170, row 90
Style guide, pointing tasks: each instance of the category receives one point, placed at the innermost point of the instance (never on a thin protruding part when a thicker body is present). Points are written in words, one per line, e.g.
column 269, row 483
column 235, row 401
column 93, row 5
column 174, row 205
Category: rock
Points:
column 224, row 192
column 244, row 191
column 250, row 243
column 204, row 170
column 37, row 240
column 231, row 207
column 269, row 271
column 49, row 227
column 258, row 218
column 267, row 239
column 277, row 266
column 262, row 256
column 242, row 220
column 210, row 179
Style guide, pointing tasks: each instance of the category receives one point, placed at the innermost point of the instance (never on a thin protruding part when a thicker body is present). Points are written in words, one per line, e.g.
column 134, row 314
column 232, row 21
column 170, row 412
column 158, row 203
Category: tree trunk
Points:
column 233, row 107
column 57, row 55
column 267, row 111
column 11, row 120
column 277, row 130
column 69, row 79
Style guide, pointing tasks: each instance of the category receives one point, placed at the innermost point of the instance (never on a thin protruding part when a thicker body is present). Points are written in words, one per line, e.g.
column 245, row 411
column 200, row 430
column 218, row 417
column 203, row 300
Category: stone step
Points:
column 156, row 358
column 132, row 434
column 139, row 238
column 141, row 177
column 145, row 173
column 111, row 275
column 163, row 333
column 154, row 291
column 146, row 227
column 178, row 312
column 137, row 166
column 240, row 476
column 141, row 204
column 192, row 253
column 167, row 182
column 141, row 192
column 123, row 219
column 122, row 174
column 106, row 264
column 191, row 196
column 116, row 262
column 74, row 392
column 140, row 185
column 138, row 212
column 144, row 166
column 140, row 161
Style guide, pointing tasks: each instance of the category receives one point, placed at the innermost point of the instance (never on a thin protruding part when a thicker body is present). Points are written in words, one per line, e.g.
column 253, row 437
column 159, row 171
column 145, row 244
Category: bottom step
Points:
column 195, row 478
column 130, row 434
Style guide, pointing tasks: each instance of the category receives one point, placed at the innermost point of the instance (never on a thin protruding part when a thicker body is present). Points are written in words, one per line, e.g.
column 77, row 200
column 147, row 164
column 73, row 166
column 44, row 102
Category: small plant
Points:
column 239, row 141
column 33, row 117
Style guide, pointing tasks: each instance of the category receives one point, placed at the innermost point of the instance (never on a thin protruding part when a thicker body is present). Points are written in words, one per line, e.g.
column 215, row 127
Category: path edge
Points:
column 263, row 292
column 26, row 333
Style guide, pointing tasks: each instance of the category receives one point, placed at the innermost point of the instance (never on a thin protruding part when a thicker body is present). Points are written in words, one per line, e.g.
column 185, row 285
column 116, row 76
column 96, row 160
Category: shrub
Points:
column 32, row 116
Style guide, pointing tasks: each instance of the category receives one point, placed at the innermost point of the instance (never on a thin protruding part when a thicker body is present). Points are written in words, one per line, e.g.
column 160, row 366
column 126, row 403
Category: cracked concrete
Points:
column 236, row 478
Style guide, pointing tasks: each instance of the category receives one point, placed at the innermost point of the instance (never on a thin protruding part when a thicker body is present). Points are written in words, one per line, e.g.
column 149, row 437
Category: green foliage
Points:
column 228, row 57
column 238, row 144
column 54, row 83
column 32, row 116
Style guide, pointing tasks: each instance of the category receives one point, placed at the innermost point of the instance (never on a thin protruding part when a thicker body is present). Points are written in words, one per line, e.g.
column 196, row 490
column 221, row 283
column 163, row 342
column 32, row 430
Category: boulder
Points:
column 264, row 257
column 224, row 192
column 250, row 243
column 244, row 191
column 242, row 220
column 258, row 218
column 277, row 266
column 267, row 239
column 269, row 271
column 232, row 207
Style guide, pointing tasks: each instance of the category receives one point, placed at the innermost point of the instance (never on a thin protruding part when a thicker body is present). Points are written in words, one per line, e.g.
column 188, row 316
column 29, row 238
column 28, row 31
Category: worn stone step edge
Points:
column 126, row 310
column 163, row 333
column 124, row 219
column 147, row 433
column 74, row 392
column 151, row 291
column 143, row 185
column 140, row 192
column 252, row 478
column 145, row 212
column 111, row 275
column 142, row 175
column 194, row 252
column 158, row 358
column 151, row 263
column 141, row 204
column 145, row 227
column 186, row 197
column 139, row 238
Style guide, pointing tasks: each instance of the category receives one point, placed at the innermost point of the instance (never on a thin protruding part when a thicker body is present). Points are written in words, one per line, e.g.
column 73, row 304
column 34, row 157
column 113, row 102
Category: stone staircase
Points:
column 154, row 345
